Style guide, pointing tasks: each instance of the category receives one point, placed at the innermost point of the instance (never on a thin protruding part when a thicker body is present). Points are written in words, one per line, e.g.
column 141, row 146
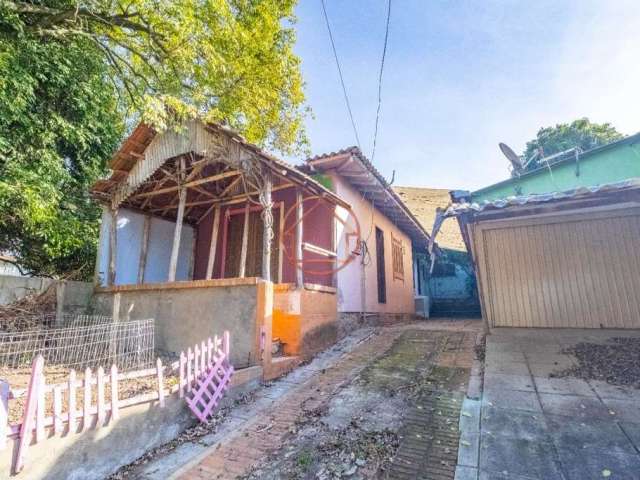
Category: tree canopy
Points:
column 580, row 133
column 74, row 73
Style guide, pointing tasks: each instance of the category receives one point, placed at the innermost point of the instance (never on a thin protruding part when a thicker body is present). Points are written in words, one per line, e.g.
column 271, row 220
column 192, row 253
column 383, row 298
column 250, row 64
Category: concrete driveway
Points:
column 529, row 426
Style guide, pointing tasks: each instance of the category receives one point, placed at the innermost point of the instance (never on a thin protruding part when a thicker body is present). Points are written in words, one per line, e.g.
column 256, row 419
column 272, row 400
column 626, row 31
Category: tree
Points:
column 73, row 73
column 58, row 126
column 579, row 133
column 230, row 61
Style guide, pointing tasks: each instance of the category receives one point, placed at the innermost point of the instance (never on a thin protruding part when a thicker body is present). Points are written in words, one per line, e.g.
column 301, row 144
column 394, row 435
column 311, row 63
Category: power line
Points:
column 344, row 89
column 384, row 54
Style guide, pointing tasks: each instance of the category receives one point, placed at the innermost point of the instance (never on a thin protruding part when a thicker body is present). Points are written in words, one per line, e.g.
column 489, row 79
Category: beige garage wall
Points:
column 580, row 270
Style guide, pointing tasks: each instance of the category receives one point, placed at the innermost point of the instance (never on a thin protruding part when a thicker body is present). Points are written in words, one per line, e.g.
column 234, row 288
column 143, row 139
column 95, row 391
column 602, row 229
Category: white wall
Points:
column 129, row 244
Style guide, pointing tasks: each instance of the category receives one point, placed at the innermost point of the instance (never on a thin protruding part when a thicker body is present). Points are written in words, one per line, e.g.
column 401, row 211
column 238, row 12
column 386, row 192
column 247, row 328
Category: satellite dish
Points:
column 516, row 161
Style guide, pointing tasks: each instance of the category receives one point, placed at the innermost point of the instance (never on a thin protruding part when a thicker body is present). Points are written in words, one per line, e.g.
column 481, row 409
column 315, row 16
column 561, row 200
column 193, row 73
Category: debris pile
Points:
column 28, row 312
column 616, row 362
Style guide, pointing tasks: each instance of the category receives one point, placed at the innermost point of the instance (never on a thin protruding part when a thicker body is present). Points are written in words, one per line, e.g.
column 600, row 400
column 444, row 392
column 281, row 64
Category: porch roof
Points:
column 146, row 166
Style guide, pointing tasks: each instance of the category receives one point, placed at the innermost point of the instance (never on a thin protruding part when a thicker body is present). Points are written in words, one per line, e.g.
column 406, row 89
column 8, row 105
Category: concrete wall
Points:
column 305, row 320
column 97, row 453
column 451, row 287
column 350, row 293
column 605, row 166
column 187, row 312
column 14, row 288
column 129, row 245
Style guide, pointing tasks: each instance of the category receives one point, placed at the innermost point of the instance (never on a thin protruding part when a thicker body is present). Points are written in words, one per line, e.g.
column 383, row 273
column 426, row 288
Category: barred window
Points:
column 397, row 255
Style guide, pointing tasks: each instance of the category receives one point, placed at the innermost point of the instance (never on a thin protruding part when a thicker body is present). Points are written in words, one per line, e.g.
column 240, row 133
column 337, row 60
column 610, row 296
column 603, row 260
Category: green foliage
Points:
column 230, row 61
column 58, row 125
column 73, row 72
column 580, row 133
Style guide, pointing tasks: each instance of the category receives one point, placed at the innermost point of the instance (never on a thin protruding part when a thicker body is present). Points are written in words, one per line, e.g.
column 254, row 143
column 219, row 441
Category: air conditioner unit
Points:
column 422, row 306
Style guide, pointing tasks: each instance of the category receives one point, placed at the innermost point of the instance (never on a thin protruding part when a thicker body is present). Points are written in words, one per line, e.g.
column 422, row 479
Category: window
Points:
column 397, row 255
column 382, row 281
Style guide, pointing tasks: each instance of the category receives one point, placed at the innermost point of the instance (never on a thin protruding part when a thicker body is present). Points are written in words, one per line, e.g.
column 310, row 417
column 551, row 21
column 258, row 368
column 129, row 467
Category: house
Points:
column 379, row 284
column 450, row 287
column 203, row 232
column 549, row 257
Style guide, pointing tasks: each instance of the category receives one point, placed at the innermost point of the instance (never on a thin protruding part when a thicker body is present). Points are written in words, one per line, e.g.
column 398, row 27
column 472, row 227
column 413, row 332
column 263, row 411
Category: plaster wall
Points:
column 129, row 245
column 350, row 293
column 184, row 316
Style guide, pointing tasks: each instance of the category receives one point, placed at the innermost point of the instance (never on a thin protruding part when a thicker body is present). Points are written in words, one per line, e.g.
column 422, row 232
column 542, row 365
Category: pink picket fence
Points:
column 99, row 391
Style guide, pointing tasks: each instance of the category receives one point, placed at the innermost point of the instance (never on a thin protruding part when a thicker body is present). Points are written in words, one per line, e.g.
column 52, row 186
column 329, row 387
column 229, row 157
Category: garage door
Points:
column 580, row 271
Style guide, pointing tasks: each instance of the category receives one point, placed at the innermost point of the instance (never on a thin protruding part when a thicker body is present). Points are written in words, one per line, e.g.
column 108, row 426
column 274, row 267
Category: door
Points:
column 380, row 264
column 580, row 271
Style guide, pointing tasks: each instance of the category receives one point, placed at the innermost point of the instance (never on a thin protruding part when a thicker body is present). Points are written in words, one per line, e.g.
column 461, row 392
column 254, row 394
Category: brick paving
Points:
column 431, row 427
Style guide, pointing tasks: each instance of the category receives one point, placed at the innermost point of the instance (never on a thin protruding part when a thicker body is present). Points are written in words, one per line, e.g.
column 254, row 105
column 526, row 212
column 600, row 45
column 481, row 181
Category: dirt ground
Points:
column 392, row 414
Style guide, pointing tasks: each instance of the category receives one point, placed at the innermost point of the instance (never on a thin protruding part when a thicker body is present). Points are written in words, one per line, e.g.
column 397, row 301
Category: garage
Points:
column 567, row 260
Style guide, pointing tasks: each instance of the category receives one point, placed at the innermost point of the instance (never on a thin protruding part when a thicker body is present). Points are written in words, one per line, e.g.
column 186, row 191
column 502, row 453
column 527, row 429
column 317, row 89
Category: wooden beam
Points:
column 267, row 231
column 182, row 197
column 200, row 181
column 214, row 242
column 245, row 242
column 143, row 250
column 113, row 245
column 299, row 233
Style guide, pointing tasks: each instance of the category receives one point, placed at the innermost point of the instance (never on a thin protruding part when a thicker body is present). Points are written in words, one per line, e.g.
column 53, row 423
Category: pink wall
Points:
column 399, row 292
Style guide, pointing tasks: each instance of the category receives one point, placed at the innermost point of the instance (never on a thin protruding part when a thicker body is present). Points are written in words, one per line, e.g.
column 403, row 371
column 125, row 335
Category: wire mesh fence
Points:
column 81, row 341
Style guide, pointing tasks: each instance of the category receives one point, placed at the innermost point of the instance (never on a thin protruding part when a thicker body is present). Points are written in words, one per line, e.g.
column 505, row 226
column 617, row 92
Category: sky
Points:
column 461, row 76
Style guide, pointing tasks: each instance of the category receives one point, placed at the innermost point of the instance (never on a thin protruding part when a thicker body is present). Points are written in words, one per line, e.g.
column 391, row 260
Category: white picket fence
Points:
column 37, row 426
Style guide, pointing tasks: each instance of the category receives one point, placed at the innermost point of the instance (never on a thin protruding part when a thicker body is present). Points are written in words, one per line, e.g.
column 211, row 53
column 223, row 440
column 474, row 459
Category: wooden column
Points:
column 267, row 231
column 299, row 234
column 245, row 242
column 177, row 232
column 173, row 263
column 214, row 241
column 113, row 245
column 144, row 247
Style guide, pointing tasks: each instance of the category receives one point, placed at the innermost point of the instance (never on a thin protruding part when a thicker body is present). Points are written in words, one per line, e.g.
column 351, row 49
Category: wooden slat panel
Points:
column 576, row 273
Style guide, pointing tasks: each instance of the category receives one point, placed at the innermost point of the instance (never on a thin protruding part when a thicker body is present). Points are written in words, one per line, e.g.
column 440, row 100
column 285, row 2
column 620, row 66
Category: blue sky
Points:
column 461, row 76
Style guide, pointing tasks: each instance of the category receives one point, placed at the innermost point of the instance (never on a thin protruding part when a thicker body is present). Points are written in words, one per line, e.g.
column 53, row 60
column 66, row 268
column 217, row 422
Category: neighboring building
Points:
column 450, row 287
column 380, row 282
column 559, row 246
column 565, row 259
column 609, row 163
column 8, row 266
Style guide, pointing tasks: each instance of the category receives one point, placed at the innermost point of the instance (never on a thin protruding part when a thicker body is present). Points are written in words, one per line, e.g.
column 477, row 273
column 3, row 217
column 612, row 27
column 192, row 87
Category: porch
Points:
column 198, row 225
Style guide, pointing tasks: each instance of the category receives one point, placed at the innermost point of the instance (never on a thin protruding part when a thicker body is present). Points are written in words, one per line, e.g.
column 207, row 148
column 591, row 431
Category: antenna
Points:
column 516, row 161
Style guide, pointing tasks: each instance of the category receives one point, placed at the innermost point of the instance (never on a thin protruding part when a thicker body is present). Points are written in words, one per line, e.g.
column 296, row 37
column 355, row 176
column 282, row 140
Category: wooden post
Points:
column 143, row 250
column 113, row 246
column 182, row 198
column 115, row 413
column 267, row 231
column 86, row 401
column 160, row 382
column 245, row 242
column 281, row 242
column 40, row 408
column 26, row 428
column 4, row 413
column 299, row 234
column 214, row 241
column 72, row 401
column 173, row 263
column 100, row 398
